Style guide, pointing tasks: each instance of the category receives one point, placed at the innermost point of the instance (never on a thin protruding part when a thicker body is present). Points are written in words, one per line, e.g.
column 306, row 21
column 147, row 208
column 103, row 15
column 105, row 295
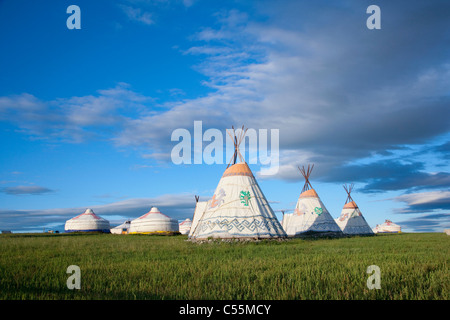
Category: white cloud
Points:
column 22, row 190
column 335, row 93
column 73, row 119
column 425, row 198
column 189, row 3
column 137, row 14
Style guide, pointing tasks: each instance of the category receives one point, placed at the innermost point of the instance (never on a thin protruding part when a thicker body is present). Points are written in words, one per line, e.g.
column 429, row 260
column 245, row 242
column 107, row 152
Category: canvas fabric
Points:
column 87, row 222
column 200, row 209
column 238, row 209
column 185, row 226
column 153, row 222
column 387, row 227
column 351, row 221
column 310, row 215
column 120, row 229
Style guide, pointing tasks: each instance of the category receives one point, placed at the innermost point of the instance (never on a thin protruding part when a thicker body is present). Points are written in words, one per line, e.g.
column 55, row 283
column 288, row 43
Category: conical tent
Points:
column 185, row 226
column 310, row 215
column 387, row 227
column 87, row 222
column 238, row 208
column 351, row 220
column 200, row 207
column 121, row 229
column 154, row 222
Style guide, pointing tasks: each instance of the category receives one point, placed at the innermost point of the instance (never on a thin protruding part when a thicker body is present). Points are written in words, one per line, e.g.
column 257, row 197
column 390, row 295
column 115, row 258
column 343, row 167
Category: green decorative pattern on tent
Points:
column 245, row 197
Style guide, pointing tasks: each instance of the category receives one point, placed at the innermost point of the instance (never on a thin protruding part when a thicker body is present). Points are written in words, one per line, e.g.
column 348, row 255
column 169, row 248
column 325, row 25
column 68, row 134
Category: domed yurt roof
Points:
column 387, row 227
column 88, row 221
column 154, row 222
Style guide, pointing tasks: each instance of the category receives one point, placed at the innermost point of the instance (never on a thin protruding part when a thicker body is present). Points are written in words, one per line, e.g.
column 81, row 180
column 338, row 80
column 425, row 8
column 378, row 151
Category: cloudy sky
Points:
column 87, row 115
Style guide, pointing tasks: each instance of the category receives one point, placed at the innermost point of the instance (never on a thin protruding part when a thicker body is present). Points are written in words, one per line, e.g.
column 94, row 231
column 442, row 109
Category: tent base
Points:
column 240, row 239
column 89, row 231
column 159, row 233
column 359, row 234
column 317, row 234
column 388, row 232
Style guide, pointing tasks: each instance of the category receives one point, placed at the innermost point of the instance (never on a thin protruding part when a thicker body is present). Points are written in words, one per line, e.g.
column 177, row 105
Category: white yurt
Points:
column 87, row 222
column 185, row 226
column 121, row 229
column 238, row 208
column 351, row 220
column 387, row 227
column 154, row 222
column 310, row 216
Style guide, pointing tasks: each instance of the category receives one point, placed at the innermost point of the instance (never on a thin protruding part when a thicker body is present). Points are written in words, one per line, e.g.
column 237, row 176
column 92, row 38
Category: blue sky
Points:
column 86, row 115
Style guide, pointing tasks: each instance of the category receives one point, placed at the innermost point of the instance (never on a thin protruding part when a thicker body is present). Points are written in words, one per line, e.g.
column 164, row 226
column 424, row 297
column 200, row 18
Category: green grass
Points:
column 413, row 266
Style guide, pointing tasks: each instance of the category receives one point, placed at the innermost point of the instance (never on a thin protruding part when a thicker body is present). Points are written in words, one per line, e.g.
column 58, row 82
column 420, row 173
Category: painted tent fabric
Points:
column 351, row 220
column 153, row 222
column 238, row 209
column 310, row 215
column 185, row 226
column 87, row 222
column 121, row 229
column 200, row 209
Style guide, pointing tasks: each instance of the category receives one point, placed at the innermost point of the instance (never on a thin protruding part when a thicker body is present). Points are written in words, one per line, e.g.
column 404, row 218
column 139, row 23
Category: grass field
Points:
column 413, row 266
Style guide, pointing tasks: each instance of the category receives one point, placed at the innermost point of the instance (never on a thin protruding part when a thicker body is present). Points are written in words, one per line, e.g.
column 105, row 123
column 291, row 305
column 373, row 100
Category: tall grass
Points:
column 33, row 266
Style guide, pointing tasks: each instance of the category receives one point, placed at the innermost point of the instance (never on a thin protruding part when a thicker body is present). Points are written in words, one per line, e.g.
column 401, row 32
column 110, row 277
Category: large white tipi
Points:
column 310, row 215
column 351, row 220
column 154, row 222
column 238, row 208
column 87, row 222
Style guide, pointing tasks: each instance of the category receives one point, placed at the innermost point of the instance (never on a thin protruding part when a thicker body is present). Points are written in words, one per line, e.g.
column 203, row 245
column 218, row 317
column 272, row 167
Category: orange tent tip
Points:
column 351, row 205
column 238, row 169
column 309, row 193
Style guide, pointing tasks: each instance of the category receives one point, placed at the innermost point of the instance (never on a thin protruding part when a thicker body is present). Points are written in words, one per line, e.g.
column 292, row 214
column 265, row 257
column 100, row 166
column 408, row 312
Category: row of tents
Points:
column 152, row 222
column 239, row 209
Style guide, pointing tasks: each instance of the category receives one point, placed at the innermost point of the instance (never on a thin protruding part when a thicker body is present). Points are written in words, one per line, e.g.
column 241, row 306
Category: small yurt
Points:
column 387, row 227
column 87, row 222
column 185, row 226
column 121, row 229
column 154, row 222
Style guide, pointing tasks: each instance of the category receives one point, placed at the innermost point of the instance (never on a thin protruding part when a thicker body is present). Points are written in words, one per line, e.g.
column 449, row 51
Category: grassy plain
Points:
column 128, row 267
